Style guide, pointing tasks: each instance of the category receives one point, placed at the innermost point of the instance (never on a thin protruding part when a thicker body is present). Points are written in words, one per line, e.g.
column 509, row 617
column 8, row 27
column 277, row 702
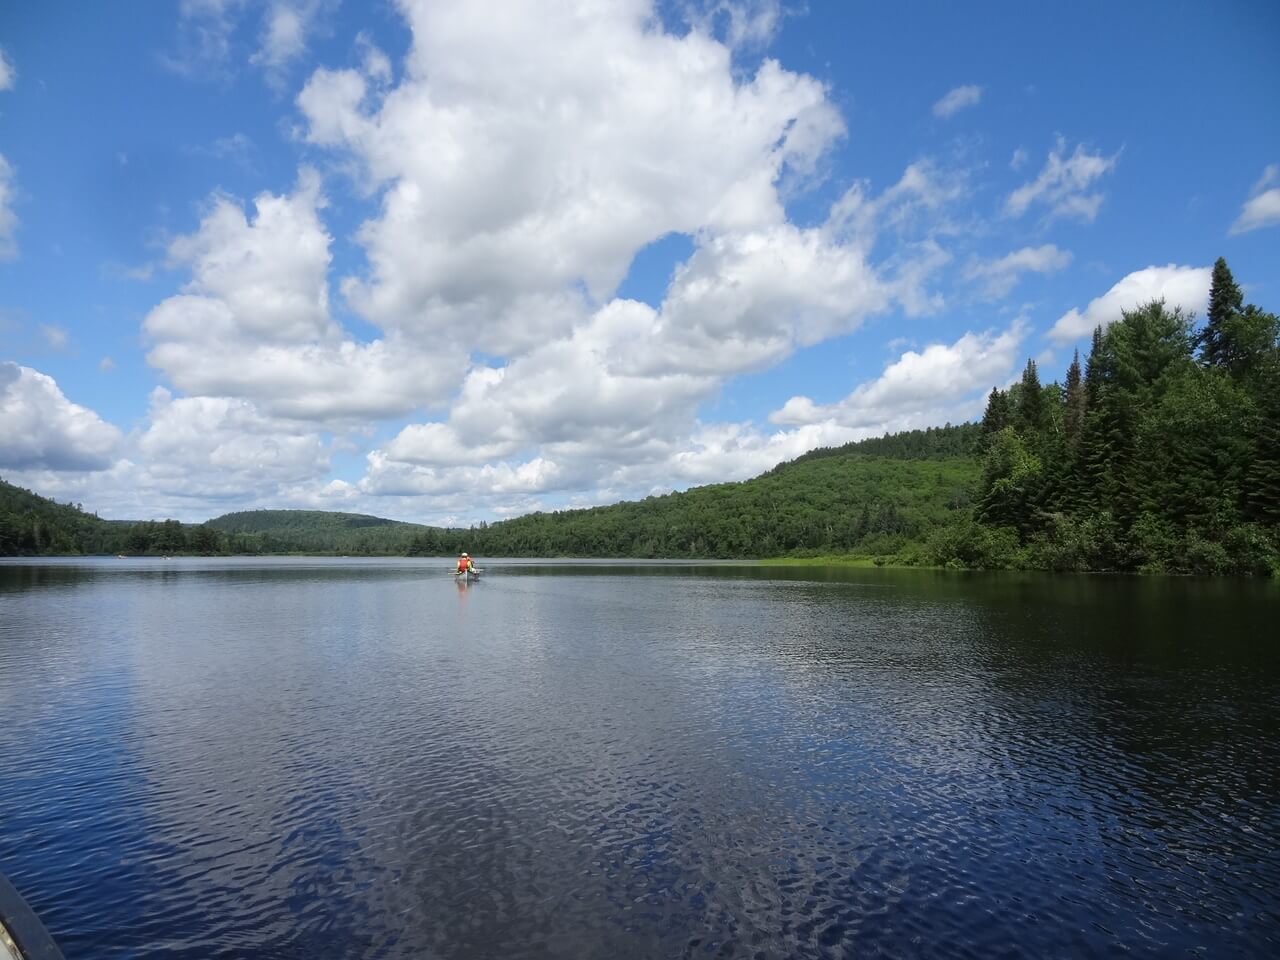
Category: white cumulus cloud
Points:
column 221, row 448
column 1262, row 209
column 957, row 99
column 919, row 388
column 1064, row 185
column 513, row 180
column 254, row 321
column 999, row 276
column 1185, row 287
column 40, row 429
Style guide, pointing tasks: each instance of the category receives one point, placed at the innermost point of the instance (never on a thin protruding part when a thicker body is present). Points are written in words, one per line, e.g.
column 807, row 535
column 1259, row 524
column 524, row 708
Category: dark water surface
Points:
column 344, row 758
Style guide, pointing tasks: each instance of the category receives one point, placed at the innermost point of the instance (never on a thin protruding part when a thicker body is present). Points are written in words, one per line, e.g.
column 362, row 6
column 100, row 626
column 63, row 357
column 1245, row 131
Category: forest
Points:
column 1160, row 453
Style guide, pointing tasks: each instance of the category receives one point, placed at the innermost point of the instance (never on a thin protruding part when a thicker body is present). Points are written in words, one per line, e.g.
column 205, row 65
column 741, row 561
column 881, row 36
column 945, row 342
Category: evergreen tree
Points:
column 1073, row 414
column 1225, row 301
column 1031, row 418
column 1248, row 337
column 998, row 415
column 1012, row 480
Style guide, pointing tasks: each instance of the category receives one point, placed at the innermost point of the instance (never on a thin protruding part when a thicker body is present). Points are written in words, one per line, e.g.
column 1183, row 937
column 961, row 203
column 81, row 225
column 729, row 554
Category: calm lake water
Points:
column 347, row 758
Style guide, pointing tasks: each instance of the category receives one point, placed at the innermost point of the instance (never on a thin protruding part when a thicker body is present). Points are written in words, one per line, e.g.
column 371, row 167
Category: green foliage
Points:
column 814, row 505
column 31, row 525
column 1012, row 482
column 971, row 545
column 997, row 416
column 932, row 443
column 1031, row 415
column 1225, row 301
column 315, row 532
column 1262, row 480
column 1150, row 461
column 1074, row 405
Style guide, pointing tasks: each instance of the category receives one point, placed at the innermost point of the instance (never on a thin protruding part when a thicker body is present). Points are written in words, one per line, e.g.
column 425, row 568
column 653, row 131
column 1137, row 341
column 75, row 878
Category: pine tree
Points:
column 998, row 415
column 1031, row 413
column 1073, row 415
column 1225, row 301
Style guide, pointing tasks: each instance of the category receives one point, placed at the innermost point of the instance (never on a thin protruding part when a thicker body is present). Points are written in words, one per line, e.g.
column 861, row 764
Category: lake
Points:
column 366, row 758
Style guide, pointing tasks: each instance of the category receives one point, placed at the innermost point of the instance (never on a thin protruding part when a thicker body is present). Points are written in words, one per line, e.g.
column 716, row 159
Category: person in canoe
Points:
column 465, row 565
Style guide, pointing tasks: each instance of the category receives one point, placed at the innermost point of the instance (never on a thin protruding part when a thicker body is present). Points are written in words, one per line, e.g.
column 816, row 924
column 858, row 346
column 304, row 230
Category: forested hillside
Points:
column 840, row 500
column 31, row 524
column 314, row 531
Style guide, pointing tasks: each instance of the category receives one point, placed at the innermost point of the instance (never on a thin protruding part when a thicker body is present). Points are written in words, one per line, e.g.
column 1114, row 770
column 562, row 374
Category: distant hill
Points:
column 874, row 497
column 314, row 531
column 31, row 524
column 259, row 521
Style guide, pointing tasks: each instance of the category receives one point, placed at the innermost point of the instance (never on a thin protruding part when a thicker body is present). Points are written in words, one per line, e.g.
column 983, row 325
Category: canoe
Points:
column 22, row 935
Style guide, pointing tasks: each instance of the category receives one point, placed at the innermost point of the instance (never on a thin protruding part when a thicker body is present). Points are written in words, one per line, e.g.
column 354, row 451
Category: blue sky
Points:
column 451, row 262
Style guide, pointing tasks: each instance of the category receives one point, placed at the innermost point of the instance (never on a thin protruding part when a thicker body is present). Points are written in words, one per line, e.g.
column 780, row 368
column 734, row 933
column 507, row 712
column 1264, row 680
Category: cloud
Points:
column 254, row 321
column 211, row 36
column 8, row 75
column 1019, row 159
column 1063, row 185
column 8, row 219
column 286, row 27
column 41, row 429
column 744, row 23
column 55, row 337
column 957, row 99
column 375, row 64
column 1262, row 209
column 107, row 365
column 918, row 388
column 221, row 448
column 1185, row 287
column 999, row 276
column 511, row 187
column 204, row 36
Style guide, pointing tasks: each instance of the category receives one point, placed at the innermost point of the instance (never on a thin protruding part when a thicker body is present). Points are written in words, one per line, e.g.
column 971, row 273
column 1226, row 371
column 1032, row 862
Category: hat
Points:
column 464, row 553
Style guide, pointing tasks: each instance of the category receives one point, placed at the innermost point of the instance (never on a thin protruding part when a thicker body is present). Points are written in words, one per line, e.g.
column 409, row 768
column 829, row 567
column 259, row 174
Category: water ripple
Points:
column 222, row 759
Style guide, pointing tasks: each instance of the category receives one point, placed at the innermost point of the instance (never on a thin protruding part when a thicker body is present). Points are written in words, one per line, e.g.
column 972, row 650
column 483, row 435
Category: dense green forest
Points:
column 1160, row 454
column 31, row 525
column 1163, row 454
column 313, row 532
column 834, row 501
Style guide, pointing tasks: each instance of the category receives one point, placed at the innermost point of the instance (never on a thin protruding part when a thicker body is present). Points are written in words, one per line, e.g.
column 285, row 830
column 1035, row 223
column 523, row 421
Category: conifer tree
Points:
column 1073, row 415
column 1093, row 369
column 1031, row 413
column 999, row 413
column 1225, row 301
